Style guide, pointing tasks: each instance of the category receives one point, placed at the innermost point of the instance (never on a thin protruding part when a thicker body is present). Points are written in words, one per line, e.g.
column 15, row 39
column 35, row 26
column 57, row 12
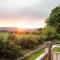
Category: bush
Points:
column 27, row 44
column 28, row 41
column 9, row 51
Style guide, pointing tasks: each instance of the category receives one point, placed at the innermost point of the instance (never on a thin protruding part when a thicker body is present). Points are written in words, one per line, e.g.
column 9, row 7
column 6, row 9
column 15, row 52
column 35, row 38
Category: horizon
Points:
column 21, row 28
column 20, row 23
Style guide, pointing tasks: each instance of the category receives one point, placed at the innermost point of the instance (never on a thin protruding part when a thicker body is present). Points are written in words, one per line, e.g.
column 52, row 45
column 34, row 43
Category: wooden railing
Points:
column 47, row 54
column 43, row 56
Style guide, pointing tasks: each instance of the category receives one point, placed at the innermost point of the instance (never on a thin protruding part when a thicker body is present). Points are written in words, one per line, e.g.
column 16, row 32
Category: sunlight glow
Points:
column 23, row 22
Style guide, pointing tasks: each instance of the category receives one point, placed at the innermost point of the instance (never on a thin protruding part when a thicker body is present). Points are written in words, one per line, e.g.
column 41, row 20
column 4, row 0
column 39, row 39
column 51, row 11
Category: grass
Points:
column 56, row 49
column 35, row 55
column 4, row 33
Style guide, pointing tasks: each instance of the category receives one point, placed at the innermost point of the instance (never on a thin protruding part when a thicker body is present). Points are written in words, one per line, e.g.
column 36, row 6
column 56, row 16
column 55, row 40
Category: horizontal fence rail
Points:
column 43, row 56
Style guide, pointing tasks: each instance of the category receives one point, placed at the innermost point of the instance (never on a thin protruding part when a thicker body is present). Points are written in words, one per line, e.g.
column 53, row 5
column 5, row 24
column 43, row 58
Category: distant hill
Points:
column 7, row 29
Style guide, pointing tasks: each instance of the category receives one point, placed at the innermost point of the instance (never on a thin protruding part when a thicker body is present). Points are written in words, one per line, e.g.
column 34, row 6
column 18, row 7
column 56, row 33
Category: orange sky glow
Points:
column 22, row 22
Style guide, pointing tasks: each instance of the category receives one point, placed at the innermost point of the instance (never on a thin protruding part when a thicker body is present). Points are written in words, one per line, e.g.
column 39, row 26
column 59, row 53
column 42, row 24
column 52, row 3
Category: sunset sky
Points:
column 25, row 13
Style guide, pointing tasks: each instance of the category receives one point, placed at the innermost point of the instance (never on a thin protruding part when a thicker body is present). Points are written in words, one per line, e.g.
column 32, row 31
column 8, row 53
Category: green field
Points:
column 56, row 49
column 4, row 33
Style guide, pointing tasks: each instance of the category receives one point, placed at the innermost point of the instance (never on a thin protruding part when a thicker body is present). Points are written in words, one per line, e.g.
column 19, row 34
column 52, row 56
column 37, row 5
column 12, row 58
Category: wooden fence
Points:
column 47, row 54
column 43, row 56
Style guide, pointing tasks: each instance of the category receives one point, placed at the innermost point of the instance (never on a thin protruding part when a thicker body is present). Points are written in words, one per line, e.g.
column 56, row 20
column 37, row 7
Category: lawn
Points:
column 4, row 33
column 56, row 49
column 35, row 55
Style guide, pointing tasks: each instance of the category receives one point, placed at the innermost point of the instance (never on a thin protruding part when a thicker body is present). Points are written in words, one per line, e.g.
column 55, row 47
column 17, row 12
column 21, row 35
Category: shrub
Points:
column 8, row 51
column 27, row 44
column 28, row 41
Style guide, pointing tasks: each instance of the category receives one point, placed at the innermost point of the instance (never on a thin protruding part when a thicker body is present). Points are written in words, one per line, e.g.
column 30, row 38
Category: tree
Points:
column 54, row 19
column 49, row 33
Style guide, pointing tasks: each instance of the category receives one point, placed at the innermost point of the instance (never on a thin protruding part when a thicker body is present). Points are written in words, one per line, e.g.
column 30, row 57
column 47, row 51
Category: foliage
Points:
column 54, row 19
column 7, row 50
column 28, row 41
column 48, row 34
column 52, row 30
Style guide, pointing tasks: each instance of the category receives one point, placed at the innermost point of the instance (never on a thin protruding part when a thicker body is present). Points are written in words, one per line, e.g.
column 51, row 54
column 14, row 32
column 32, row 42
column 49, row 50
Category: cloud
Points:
column 32, row 8
column 25, row 13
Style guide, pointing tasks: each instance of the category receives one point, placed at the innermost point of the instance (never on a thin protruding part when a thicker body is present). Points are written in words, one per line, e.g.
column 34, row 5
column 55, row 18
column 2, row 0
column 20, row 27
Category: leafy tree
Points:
column 49, row 33
column 54, row 19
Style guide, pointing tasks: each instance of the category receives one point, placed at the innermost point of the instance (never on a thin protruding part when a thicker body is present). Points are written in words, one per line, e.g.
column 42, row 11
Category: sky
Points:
column 25, row 13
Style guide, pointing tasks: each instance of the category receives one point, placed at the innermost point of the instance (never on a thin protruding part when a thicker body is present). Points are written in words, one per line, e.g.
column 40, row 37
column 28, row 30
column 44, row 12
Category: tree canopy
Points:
column 54, row 19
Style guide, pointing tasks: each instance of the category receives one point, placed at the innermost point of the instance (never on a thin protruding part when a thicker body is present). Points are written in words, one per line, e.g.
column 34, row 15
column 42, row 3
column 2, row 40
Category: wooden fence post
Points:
column 48, row 46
